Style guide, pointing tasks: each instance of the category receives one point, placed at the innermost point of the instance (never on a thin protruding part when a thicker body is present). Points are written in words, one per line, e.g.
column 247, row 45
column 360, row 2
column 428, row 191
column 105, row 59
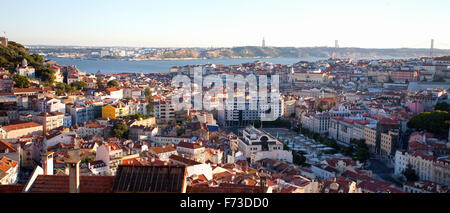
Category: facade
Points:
column 318, row 122
column 370, row 134
column 85, row 112
column 164, row 112
column 67, row 121
column 90, row 129
column 6, row 83
column 111, row 154
column 427, row 166
column 8, row 171
column 403, row 75
column 25, row 70
column 22, row 129
column 113, row 111
column 309, row 76
column 51, row 105
column 50, row 121
column 388, row 142
column 288, row 108
column 115, row 92
column 193, row 151
column 160, row 140
column 254, row 140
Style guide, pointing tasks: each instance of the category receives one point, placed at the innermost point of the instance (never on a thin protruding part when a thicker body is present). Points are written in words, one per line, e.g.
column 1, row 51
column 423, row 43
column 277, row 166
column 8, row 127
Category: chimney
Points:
column 73, row 163
column 47, row 163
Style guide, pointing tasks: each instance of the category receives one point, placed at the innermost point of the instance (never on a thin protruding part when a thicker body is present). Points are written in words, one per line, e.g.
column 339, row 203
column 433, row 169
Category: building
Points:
column 425, row 187
column 8, row 170
column 113, row 111
column 370, row 135
column 25, row 70
column 193, row 151
column 85, row 112
column 164, row 152
column 51, row 105
column 288, row 108
column 164, row 112
column 4, row 41
column 254, row 140
column 388, row 142
column 316, row 76
column 403, row 75
column 90, row 129
column 58, row 74
column 115, row 92
column 427, row 166
column 6, row 83
column 50, row 120
column 20, row 129
column 142, row 132
column 111, row 154
column 316, row 122
column 162, row 140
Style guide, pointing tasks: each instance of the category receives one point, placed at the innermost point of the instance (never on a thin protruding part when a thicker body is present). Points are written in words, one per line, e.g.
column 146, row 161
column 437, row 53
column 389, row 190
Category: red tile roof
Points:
column 60, row 184
column 6, row 146
column 25, row 125
column 225, row 188
column 14, row 188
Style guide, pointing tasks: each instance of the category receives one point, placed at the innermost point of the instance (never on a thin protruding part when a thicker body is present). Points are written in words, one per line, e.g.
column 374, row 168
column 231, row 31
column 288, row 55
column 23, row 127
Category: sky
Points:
column 228, row 23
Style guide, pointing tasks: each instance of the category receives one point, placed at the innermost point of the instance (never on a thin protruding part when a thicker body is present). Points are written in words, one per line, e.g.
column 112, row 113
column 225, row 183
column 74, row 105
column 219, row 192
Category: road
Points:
column 381, row 171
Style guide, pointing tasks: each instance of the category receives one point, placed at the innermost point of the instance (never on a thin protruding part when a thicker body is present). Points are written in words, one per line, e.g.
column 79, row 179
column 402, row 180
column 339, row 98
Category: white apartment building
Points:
column 254, row 140
column 343, row 129
column 421, row 162
column 50, row 121
column 160, row 140
column 316, row 122
column 164, row 112
column 51, row 105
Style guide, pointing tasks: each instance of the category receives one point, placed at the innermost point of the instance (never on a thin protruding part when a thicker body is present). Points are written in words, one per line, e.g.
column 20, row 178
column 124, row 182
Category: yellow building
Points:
column 113, row 111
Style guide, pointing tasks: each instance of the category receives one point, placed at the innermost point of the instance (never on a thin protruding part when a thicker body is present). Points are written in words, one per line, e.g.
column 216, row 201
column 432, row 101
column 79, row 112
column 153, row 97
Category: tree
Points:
column 410, row 173
column 48, row 76
column 348, row 151
column 148, row 97
column 147, row 92
column 120, row 130
column 430, row 121
column 362, row 154
column 100, row 82
column 61, row 88
column 442, row 106
column 78, row 85
column 21, row 81
column 112, row 83
column 298, row 158
column 136, row 116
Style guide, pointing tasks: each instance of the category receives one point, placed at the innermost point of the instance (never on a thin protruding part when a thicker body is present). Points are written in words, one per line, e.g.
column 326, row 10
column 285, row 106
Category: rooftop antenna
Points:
column 432, row 48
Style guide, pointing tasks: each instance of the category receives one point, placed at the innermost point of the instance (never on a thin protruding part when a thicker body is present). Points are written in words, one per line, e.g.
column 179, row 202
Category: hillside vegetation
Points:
column 13, row 55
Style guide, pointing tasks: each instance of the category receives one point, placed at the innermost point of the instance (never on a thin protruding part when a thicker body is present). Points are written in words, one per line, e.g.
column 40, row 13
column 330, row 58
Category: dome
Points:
column 24, row 62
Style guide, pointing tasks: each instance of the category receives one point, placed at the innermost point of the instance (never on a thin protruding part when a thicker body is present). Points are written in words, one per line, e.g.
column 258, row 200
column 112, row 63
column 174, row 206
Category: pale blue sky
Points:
column 205, row 23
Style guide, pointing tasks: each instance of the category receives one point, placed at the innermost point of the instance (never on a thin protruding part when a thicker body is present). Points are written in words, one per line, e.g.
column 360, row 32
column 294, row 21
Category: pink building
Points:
column 415, row 107
column 401, row 75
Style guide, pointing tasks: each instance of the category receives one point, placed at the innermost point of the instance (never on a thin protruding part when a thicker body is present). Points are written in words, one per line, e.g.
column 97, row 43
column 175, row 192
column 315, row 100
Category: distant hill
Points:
column 291, row 52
